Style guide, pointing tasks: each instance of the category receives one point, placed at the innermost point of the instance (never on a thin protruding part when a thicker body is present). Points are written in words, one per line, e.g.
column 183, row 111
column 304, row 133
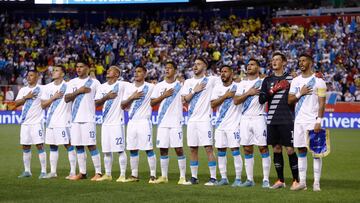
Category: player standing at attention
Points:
column 31, row 131
column 227, row 134
column 110, row 95
column 139, row 129
column 81, row 92
column 308, row 93
column 253, row 123
column 197, row 93
column 58, row 121
column 280, row 119
column 169, row 131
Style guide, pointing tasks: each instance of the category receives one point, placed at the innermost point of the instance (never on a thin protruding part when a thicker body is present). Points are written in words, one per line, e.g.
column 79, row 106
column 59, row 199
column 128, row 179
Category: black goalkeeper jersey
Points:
column 279, row 112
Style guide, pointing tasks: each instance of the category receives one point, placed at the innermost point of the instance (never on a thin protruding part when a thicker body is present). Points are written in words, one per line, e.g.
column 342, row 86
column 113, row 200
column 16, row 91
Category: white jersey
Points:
column 59, row 112
column 306, row 109
column 140, row 108
column 170, row 110
column 112, row 112
column 32, row 113
column 251, row 106
column 199, row 106
column 83, row 106
column 228, row 114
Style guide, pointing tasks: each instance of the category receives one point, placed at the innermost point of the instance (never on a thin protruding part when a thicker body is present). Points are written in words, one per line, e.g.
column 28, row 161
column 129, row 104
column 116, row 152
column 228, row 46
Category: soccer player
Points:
column 197, row 93
column 280, row 119
column 253, row 123
column 81, row 92
column 139, row 131
column 169, row 131
column 308, row 93
column 110, row 95
column 58, row 121
column 31, row 131
column 227, row 133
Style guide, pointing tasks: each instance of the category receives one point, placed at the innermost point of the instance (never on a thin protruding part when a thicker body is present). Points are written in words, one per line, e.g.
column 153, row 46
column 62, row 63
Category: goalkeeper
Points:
column 280, row 119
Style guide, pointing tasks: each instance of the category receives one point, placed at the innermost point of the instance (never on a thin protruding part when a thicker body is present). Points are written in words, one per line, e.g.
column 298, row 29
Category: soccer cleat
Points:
column 132, row 179
column 105, row 178
column 211, row 182
column 316, row 187
column 121, row 179
column 79, row 176
column 298, row 186
column 278, row 184
column 152, row 180
column 182, row 181
column 223, row 181
column 265, row 184
column 42, row 176
column 248, row 183
column 162, row 179
column 237, row 183
column 25, row 174
column 96, row 177
column 51, row 175
column 194, row 181
column 70, row 176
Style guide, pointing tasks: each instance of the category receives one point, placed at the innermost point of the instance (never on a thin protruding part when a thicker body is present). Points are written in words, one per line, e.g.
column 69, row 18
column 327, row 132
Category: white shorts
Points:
column 199, row 133
column 253, row 131
column 227, row 138
column 83, row 134
column 139, row 135
column 300, row 133
column 112, row 138
column 169, row 137
column 57, row 136
column 31, row 134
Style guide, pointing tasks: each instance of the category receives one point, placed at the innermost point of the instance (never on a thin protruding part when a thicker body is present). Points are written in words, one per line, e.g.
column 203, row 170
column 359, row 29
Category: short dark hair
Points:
column 283, row 57
column 307, row 56
column 256, row 61
column 83, row 61
column 142, row 67
column 226, row 66
column 32, row 69
column 203, row 60
column 172, row 63
column 63, row 69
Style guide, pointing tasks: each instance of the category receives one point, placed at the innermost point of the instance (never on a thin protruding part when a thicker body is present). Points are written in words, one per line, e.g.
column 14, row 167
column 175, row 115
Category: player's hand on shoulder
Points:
column 137, row 95
column 168, row 93
column 111, row 95
column 305, row 90
column 84, row 90
column 30, row 95
column 253, row 91
column 58, row 95
column 199, row 87
column 229, row 94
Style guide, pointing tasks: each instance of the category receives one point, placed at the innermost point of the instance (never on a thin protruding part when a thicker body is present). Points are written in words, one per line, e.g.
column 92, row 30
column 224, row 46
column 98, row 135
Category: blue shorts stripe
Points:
column 181, row 157
column 194, row 163
column 133, row 154
column 302, row 155
column 150, row 153
column 221, row 154
column 249, row 156
column 265, row 155
column 211, row 163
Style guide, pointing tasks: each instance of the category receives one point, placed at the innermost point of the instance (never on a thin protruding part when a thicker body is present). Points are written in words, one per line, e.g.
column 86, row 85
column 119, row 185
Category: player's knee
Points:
column 92, row 147
column 290, row 150
column 277, row 148
column 40, row 146
column 69, row 148
column 134, row 153
column 263, row 150
column 26, row 147
column 209, row 149
column 302, row 150
column 194, row 150
column 150, row 153
column 248, row 150
column 179, row 151
column 53, row 148
column 164, row 152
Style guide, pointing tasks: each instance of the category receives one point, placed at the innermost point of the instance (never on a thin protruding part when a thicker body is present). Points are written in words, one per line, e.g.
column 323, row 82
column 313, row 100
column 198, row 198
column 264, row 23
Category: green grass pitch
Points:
column 340, row 181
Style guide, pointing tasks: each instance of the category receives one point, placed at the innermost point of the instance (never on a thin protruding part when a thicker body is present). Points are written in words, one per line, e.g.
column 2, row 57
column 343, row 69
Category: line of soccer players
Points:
column 241, row 121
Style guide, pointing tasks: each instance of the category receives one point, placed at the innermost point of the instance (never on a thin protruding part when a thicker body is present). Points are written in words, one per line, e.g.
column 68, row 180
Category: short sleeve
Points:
column 156, row 92
column 321, row 88
column 215, row 94
column 293, row 89
column 20, row 94
column 45, row 92
column 99, row 93
column 239, row 90
column 185, row 89
column 69, row 88
column 128, row 92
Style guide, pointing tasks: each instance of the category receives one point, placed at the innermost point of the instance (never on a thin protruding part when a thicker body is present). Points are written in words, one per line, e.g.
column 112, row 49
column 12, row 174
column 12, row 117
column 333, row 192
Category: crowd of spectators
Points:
column 43, row 43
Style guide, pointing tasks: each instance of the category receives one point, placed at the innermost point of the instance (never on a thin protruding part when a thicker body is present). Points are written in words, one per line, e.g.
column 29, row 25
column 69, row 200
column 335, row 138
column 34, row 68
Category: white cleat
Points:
column 316, row 187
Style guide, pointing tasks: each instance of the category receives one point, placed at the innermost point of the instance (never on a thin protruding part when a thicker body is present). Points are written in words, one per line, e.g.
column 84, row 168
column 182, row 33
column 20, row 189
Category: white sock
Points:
column 317, row 170
column 81, row 157
column 182, row 166
column 95, row 156
column 212, row 169
column 134, row 164
column 194, row 166
column 249, row 166
column 152, row 163
column 122, row 163
column 164, row 163
column 302, row 164
column 108, row 159
column 42, row 158
column 238, row 163
column 54, row 156
column 72, row 160
column 266, row 164
column 222, row 164
column 27, row 160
